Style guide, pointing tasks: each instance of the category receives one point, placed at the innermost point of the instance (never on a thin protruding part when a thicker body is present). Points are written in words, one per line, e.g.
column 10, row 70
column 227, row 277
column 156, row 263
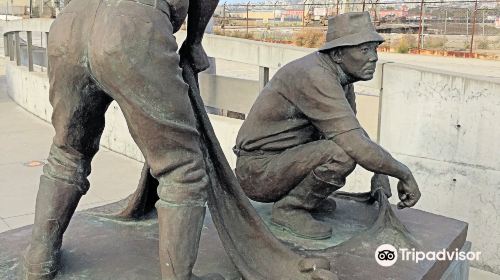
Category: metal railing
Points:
column 24, row 52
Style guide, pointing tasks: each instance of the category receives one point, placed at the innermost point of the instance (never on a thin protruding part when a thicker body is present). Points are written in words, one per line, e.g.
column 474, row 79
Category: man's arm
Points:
column 199, row 14
column 378, row 180
column 372, row 157
column 350, row 95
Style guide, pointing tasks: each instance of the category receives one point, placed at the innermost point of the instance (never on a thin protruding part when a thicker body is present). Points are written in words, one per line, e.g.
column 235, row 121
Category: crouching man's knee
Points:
column 261, row 188
column 336, row 170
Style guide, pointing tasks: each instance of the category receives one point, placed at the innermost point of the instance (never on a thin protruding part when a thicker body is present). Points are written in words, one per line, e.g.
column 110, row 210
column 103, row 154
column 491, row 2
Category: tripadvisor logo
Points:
column 387, row 255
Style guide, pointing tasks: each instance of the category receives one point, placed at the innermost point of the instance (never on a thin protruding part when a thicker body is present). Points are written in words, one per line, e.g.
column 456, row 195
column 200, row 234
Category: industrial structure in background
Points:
column 469, row 28
column 32, row 8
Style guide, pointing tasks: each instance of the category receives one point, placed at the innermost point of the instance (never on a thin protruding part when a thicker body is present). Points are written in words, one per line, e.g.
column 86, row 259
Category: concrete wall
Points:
column 29, row 89
column 446, row 128
column 12, row 10
column 34, row 24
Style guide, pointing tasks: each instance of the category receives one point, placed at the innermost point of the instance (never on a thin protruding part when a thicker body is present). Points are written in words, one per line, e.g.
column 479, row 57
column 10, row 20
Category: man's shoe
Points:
column 211, row 276
column 180, row 229
column 293, row 212
column 55, row 204
column 299, row 222
column 41, row 261
column 326, row 206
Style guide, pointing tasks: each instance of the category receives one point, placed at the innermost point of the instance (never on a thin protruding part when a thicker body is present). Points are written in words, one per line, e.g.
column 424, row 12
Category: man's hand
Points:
column 380, row 181
column 408, row 192
column 195, row 55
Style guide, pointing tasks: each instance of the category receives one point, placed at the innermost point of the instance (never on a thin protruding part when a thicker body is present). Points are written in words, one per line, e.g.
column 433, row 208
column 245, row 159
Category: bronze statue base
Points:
column 98, row 247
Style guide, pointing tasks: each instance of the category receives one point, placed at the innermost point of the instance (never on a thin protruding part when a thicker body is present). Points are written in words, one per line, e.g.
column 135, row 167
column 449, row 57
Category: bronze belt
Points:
column 240, row 152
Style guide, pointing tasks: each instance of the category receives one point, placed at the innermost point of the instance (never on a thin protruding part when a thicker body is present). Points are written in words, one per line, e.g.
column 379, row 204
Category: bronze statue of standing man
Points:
column 124, row 50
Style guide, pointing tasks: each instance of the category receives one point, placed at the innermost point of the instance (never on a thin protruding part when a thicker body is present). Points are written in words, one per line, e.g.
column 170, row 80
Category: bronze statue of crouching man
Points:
column 301, row 138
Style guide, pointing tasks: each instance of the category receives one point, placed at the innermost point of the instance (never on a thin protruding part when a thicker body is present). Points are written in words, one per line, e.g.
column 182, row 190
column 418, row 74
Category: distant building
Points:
column 260, row 14
column 292, row 15
column 401, row 12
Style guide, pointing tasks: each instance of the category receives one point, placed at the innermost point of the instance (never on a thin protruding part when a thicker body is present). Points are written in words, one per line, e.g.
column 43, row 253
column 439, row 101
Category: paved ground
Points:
column 26, row 139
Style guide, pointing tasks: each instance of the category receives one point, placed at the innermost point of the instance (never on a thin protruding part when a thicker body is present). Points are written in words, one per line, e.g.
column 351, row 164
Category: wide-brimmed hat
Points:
column 350, row 29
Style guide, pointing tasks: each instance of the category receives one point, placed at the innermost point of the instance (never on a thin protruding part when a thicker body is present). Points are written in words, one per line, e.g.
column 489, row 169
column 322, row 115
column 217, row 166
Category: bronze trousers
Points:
column 269, row 176
column 105, row 50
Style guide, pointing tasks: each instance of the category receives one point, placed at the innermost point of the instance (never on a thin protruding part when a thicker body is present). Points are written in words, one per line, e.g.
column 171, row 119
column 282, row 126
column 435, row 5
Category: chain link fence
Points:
column 462, row 28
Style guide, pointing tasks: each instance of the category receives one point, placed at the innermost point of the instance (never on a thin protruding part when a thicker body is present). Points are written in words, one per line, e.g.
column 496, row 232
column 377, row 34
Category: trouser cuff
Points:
column 164, row 204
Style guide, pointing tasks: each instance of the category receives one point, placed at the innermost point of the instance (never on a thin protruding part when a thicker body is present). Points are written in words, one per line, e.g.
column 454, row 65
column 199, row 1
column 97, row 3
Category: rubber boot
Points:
column 293, row 212
column 55, row 204
column 326, row 206
column 180, row 230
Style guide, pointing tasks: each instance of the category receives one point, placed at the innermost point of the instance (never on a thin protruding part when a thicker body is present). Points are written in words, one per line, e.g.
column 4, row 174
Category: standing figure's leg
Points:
column 133, row 56
column 78, row 119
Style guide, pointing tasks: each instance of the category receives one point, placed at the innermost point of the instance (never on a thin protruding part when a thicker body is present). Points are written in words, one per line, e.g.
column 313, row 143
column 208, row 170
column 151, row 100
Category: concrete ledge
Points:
column 481, row 78
column 33, row 24
column 221, row 92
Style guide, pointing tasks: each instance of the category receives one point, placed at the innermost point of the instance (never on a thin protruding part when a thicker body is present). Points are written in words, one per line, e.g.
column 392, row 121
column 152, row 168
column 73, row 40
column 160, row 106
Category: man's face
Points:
column 358, row 61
